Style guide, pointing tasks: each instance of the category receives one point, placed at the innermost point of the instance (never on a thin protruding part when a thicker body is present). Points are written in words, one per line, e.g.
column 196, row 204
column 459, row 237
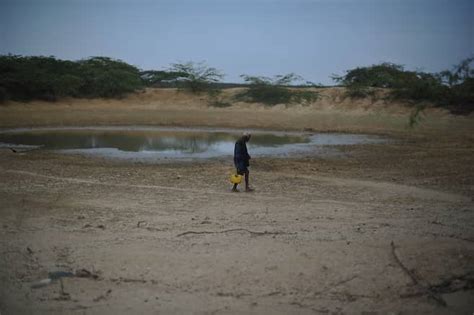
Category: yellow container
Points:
column 235, row 178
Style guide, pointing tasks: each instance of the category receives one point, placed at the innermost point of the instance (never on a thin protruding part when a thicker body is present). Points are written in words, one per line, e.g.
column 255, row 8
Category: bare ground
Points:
column 385, row 228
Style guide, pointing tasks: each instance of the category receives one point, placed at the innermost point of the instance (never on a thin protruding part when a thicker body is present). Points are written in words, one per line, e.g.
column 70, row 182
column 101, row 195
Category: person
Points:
column 242, row 160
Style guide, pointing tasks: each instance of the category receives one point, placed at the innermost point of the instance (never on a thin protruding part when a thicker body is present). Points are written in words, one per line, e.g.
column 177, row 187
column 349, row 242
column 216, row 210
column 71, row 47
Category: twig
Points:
column 25, row 150
column 153, row 229
column 128, row 280
column 453, row 236
column 232, row 230
column 415, row 281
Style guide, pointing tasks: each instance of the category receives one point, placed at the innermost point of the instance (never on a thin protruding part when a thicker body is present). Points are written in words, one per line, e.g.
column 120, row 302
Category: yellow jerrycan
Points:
column 235, row 178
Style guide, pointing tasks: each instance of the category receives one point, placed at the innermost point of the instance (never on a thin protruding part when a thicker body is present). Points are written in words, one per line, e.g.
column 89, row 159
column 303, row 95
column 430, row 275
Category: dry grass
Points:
column 332, row 112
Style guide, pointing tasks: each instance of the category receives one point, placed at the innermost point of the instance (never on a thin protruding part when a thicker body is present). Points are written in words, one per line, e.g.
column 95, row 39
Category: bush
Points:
column 219, row 103
column 450, row 89
column 215, row 99
column 422, row 87
column 384, row 75
column 3, row 95
column 357, row 91
column 272, row 91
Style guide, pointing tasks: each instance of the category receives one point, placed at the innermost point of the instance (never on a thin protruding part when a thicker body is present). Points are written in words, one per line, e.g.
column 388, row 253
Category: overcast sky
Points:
column 313, row 38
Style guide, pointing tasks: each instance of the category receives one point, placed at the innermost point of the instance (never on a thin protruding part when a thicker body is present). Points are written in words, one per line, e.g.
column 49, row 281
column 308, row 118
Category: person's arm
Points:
column 238, row 151
column 246, row 153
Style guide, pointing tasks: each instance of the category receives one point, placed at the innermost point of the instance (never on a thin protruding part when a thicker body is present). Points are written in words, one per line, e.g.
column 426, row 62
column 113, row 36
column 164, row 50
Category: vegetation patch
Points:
column 452, row 89
column 276, row 90
column 25, row 78
column 197, row 77
column 47, row 78
column 216, row 99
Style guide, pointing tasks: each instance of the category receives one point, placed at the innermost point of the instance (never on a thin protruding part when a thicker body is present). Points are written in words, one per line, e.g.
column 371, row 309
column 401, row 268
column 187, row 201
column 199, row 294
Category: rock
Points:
column 59, row 274
column 41, row 283
column 84, row 273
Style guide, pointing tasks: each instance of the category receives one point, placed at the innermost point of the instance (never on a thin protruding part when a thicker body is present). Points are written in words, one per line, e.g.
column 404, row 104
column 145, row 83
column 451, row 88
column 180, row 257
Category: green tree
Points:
column 106, row 77
column 38, row 77
column 198, row 77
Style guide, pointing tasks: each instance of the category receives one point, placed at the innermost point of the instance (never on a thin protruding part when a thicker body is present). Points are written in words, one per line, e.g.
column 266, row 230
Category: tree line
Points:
column 24, row 78
column 452, row 89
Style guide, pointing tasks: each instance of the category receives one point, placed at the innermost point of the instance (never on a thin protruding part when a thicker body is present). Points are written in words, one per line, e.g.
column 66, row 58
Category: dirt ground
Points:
column 381, row 228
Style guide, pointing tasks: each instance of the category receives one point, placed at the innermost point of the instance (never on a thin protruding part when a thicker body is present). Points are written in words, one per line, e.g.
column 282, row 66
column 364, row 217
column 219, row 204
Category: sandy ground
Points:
column 382, row 228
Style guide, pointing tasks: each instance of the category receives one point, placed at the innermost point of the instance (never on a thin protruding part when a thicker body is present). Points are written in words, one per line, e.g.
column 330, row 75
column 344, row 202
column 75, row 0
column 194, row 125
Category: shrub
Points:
column 215, row 99
column 219, row 103
column 384, row 75
column 358, row 91
column 450, row 89
column 272, row 91
column 3, row 95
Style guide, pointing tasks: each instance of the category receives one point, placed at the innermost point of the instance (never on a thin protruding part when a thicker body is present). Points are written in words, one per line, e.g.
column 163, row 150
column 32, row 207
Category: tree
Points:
column 25, row 78
column 106, row 77
column 153, row 77
column 198, row 77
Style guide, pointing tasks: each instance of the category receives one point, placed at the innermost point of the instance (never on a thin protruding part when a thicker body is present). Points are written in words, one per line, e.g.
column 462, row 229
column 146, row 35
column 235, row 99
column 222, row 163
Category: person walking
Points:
column 242, row 160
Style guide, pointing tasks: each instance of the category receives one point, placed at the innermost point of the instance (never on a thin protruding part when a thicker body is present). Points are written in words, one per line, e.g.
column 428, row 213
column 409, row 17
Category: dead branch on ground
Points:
column 425, row 291
column 233, row 230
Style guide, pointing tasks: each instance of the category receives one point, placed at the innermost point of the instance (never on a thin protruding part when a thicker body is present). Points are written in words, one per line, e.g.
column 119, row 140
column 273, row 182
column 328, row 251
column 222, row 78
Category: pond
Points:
column 170, row 143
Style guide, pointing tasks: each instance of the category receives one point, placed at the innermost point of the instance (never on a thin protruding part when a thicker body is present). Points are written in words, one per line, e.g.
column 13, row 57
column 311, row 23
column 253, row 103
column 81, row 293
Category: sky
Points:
column 312, row 38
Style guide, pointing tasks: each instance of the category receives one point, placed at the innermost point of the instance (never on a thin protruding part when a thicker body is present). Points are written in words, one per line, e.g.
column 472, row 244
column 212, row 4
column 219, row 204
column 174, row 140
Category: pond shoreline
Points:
column 152, row 144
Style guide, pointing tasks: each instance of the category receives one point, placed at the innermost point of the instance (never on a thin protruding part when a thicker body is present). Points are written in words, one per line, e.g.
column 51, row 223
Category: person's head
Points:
column 246, row 136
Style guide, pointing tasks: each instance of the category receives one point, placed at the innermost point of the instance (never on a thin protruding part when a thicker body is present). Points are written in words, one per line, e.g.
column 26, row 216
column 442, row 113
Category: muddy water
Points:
column 142, row 142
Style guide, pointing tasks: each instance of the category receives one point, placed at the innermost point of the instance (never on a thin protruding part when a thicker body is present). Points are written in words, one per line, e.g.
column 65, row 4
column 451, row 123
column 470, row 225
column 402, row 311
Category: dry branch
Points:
column 415, row 281
column 232, row 230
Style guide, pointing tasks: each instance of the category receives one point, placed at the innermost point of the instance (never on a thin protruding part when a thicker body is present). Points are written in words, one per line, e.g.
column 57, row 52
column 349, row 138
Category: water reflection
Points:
column 155, row 143
column 136, row 141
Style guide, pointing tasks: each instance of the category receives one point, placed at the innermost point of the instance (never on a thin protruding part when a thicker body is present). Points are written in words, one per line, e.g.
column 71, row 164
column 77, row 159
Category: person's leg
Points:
column 247, row 186
column 235, row 187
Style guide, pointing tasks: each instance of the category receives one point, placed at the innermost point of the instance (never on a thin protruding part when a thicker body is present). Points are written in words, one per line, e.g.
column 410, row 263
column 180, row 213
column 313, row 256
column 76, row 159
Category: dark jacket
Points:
column 241, row 155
